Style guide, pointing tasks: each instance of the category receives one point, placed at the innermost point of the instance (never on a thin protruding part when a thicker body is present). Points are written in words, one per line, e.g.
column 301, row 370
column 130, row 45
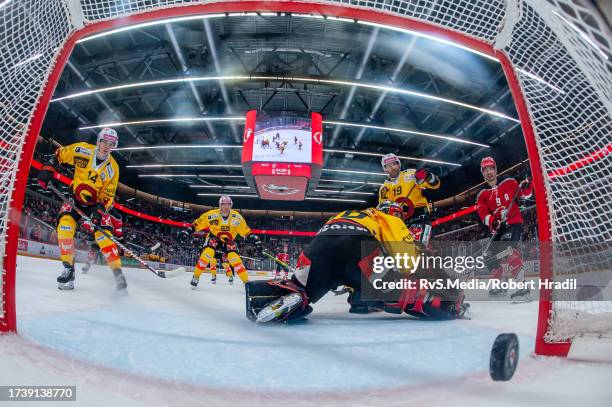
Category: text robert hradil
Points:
column 410, row 264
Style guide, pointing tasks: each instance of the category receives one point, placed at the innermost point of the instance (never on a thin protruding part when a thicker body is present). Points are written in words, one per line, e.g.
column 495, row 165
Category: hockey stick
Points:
column 12, row 118
column 42, row 222
column 162, row 274
column 504, row 213
column 282, row 263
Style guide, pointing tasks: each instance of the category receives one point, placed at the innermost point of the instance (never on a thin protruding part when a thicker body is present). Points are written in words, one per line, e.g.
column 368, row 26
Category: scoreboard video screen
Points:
column 283, row 139
column 282, row 156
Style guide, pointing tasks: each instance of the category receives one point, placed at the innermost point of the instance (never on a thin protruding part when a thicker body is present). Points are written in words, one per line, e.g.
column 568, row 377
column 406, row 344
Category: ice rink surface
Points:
column 165, row 344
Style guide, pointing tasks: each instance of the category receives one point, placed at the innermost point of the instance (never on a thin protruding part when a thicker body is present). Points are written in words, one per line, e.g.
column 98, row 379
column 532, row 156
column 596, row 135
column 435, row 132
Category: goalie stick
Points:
column 162, row 274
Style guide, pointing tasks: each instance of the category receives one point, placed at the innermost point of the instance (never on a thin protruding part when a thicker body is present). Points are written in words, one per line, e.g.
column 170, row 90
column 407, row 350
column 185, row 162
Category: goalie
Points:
column 341, row 254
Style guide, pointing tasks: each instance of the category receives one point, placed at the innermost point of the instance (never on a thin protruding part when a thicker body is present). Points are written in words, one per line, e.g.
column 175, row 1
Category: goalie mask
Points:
column 391, row 208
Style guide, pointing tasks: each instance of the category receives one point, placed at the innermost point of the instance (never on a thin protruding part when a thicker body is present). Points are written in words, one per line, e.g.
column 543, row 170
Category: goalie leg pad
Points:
column 261, row 294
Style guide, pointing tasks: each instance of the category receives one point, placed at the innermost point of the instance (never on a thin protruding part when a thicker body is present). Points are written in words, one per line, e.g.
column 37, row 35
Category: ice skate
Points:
column 86, row 268
column 194, row 282
column 522, row 295
column 120, row 281
column 65, row 281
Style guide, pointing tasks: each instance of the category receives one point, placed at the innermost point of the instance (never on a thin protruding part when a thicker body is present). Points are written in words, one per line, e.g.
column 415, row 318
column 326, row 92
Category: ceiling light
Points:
column 188, row 79
column 173, row 120
column 177, row 146
column 332, row 191
column 430, row 37
column 403, row 157
column 542, row 81
column 149, row 24
column 405, row 131
column 26, row 61
column 355, row 172
column 349, row 181
column 234, row 195
column 582, row 34
column 220, row 186
column 185, row 166
column 312, row 198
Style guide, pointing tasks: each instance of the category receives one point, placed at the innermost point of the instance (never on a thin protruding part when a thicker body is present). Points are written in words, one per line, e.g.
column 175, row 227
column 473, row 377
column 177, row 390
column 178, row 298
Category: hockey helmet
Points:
column 388, row 159
column 391, row 208
column 109, row 135
column 487, row 162
column 225, row 199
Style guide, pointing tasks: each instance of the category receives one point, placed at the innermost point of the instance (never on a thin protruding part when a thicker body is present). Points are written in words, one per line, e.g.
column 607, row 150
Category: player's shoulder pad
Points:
column 212, row 214
column 485, row 188
column 235, row 215
column 408, row 174
column 507, row 180
column 83, row 148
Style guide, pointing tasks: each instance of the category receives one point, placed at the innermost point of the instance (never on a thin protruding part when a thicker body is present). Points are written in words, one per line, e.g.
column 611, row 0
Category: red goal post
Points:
column 560, row 83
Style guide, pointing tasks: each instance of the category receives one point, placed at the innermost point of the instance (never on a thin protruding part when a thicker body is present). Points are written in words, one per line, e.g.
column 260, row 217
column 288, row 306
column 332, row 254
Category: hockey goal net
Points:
column 555, row 55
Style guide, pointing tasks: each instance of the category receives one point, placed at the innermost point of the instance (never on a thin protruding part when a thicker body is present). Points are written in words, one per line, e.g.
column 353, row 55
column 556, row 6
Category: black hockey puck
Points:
column 504, row 357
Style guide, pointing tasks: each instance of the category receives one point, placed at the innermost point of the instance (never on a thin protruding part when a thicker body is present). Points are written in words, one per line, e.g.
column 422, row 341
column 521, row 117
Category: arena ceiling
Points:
column 379, row 90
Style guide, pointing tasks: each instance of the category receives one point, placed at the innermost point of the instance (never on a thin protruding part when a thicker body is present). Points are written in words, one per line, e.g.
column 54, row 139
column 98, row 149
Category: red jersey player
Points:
column 284, row 257
column 499, row 211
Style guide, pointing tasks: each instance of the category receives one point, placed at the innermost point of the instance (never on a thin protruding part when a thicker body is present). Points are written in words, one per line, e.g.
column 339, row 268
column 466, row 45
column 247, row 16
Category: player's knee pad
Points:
column 497, row 273
column 515, row 264
column 208, row 255
column 66, row 228
column 109, row 250
column 234, row 259
column 260, row 294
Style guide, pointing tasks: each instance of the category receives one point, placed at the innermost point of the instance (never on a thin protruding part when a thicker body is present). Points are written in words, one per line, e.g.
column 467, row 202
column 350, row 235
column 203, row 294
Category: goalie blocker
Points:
column 342, row 256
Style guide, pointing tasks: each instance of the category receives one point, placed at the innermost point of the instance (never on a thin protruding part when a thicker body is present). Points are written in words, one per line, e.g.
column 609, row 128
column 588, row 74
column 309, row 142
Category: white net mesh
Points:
column 559, row 50
column 33, row 32
column 567, row 84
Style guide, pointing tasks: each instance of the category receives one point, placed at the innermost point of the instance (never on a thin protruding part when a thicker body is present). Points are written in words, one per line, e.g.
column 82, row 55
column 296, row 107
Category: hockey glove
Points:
column 186, row 234
column 254, row 239
column 46, row 173
column 98, row 213
column 422, row 175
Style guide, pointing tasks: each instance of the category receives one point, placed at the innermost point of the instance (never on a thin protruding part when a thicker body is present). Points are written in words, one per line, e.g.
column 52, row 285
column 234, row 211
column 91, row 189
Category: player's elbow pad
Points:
column 433, row 180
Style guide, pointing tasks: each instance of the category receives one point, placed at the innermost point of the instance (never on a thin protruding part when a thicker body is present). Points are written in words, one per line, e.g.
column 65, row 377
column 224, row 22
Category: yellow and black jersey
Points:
column 225, row 229
column 94, row 181
column 404, row 188
column 390, row 231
